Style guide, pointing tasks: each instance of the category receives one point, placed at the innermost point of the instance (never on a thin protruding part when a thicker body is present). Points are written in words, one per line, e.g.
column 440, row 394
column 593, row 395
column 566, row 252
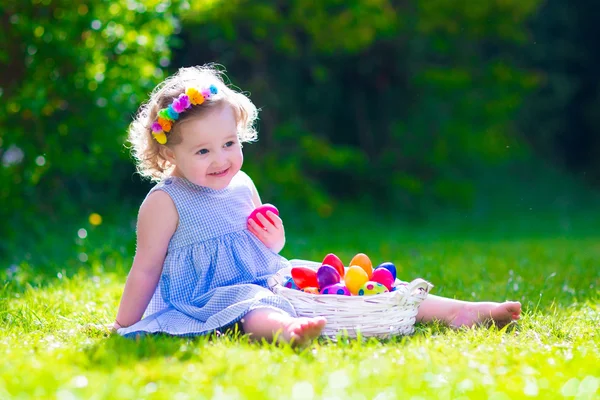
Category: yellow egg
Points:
column 354, row 279
column 363, row 261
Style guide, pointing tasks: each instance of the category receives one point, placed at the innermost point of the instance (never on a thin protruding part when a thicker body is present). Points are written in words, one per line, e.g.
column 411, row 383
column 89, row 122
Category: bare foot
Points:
column 501, row 314
column 301, row 331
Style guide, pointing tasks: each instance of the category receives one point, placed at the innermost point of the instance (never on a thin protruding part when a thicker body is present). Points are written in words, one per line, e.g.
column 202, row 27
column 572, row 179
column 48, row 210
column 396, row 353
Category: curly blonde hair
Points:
column 150, row 162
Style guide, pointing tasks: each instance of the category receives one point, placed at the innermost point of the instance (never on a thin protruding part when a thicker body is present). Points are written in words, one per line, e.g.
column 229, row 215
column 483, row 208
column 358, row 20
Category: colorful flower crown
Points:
column 167, row 116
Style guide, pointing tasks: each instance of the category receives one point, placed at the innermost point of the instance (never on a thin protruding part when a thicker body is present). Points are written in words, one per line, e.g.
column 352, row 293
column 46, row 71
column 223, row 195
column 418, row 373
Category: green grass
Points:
column 550, row 263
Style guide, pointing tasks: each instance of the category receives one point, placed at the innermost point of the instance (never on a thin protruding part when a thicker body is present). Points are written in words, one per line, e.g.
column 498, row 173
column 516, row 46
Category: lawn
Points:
column 550, row 263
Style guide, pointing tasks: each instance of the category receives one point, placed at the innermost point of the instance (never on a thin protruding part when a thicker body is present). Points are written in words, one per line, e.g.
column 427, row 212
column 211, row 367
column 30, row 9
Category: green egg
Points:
column 370, row 288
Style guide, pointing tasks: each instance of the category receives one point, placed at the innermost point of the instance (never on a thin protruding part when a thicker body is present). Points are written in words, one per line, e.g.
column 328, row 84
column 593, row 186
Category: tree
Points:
column 74, row 72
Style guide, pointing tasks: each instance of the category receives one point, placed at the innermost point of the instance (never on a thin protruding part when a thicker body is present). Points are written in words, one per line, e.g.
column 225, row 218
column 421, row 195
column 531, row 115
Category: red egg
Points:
column 327, row 276
column 305, row 277
column 383, row 276
column 263, row 210
column 335, row 262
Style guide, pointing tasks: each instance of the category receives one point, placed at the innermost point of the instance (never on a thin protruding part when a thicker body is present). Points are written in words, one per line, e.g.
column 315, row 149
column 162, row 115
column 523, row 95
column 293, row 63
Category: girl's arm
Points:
column 255, row 196
column 157, row 221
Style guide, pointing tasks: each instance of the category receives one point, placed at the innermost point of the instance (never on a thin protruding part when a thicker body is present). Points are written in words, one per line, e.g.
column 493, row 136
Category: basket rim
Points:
column 405, row 289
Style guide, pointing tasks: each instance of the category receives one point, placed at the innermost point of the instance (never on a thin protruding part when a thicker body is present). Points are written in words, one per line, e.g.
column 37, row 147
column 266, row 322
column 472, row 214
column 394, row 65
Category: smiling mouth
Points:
column 219, row 173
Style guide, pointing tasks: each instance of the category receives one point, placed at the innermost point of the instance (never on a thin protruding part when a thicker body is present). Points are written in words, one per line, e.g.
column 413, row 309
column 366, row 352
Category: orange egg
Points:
column 310, row 289
column 364, row 262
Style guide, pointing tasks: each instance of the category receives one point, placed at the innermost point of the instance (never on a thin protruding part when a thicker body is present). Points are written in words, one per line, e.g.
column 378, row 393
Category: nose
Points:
column 220, row 157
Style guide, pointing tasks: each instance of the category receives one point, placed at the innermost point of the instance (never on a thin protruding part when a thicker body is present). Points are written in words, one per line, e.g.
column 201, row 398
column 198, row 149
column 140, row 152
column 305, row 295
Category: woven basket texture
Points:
column 382, row 315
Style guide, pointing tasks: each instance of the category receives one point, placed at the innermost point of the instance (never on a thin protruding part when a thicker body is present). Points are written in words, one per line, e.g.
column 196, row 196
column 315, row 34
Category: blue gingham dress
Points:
column 215, row 270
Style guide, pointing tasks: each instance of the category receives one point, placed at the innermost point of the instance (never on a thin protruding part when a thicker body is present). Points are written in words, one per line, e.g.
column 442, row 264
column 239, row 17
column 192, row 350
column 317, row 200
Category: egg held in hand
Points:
column 263, row 210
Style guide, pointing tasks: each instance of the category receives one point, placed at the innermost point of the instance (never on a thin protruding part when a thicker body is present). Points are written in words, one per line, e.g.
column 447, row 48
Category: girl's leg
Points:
column 458, row 313
column 266, row 323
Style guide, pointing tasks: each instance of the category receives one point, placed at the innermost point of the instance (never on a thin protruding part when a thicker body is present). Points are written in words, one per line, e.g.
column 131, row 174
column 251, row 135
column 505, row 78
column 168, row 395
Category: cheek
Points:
column 237, row 155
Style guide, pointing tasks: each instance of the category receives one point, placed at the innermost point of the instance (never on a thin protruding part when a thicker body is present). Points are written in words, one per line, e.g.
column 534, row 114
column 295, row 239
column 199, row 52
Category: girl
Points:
column 199, row 265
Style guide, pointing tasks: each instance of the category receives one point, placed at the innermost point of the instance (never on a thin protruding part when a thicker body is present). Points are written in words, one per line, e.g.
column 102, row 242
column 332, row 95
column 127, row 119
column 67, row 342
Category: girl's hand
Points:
column 272, row 235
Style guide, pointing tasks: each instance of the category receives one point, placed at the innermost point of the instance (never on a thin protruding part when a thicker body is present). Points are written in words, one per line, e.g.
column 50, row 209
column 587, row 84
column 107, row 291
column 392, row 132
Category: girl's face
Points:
column 210, row 153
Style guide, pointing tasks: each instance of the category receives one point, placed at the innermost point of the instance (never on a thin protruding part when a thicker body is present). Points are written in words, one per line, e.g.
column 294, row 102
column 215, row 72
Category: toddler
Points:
column 200, row 265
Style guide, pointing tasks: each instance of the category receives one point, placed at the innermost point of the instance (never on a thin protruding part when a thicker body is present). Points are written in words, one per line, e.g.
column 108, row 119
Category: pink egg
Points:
column 338, row 288
column 263, row 210
column 327, row 276
column 383, row 276
column 390, row 267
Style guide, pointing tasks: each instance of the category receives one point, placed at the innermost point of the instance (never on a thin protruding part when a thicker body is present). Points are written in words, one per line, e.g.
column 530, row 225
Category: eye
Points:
column 202, row 151
column 230, row 143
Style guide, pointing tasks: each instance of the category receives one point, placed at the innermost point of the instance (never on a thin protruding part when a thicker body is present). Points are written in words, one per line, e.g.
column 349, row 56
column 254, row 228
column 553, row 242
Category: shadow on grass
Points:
column 113, row 350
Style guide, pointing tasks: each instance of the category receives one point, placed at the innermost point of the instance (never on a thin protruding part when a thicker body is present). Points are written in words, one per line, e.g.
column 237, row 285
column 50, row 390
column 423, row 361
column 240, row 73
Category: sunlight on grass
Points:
column 552, row 353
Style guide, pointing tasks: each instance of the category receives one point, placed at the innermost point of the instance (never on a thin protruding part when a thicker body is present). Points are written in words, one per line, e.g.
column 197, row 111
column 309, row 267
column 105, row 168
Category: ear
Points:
column 167, row 154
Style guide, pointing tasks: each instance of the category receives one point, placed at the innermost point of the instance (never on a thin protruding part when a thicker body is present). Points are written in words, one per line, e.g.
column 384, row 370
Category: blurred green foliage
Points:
column 73, row 74
column 397, row 99
column 372, row 101
column 561, row 119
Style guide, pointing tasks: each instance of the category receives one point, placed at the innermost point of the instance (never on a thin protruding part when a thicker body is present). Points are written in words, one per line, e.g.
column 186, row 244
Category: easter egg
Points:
column 338, row 288
column 383, row 276
column 327, row 276
column 263, row 210
column 364, row 262
column 390, row 267
column 304, row 277
column 335, row 262
column 311, row 289
column 290, row 284
column 355, row 277
column 370, row 288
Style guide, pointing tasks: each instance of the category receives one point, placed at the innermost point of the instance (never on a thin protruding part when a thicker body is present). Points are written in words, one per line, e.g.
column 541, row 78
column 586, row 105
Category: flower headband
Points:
column 167, row 116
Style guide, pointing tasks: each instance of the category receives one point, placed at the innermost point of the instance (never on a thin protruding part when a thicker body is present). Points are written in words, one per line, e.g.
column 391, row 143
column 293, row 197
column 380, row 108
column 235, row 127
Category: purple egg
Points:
column 337, row 288
column 327, row 276
column 390, row 267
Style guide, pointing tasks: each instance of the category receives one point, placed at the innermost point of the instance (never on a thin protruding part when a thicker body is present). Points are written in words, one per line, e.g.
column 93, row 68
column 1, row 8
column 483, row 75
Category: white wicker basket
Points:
column 382, row 315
